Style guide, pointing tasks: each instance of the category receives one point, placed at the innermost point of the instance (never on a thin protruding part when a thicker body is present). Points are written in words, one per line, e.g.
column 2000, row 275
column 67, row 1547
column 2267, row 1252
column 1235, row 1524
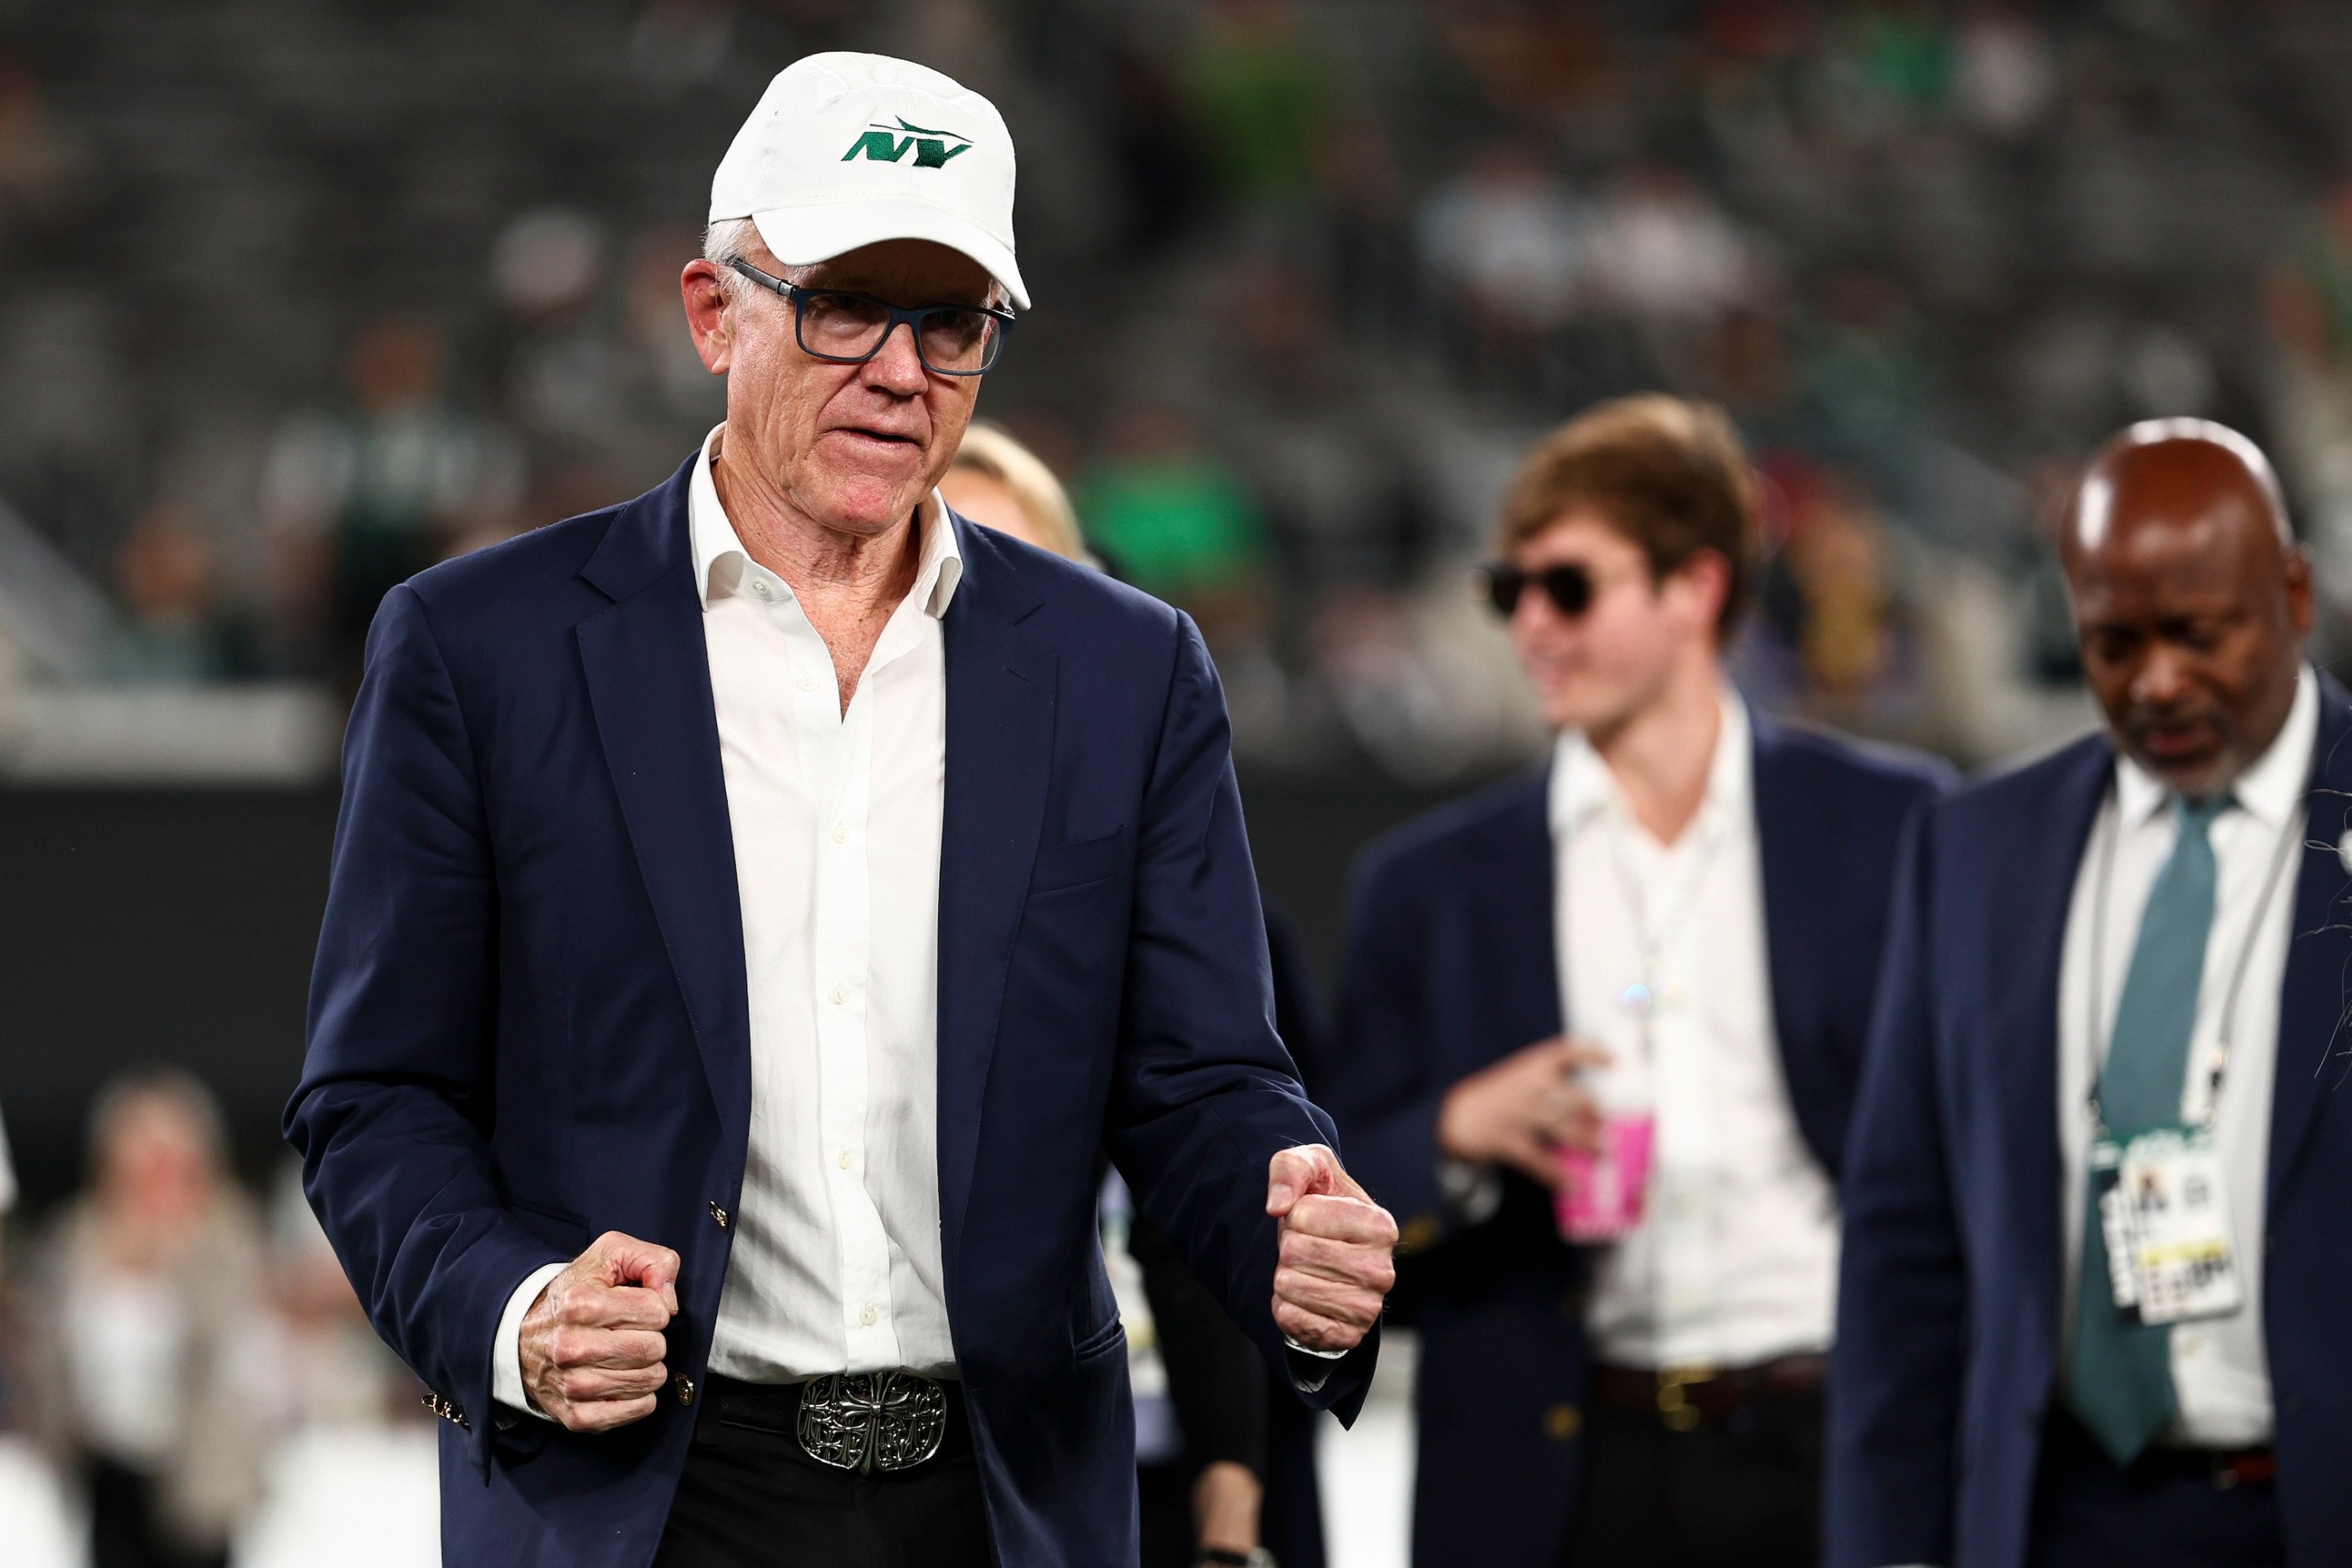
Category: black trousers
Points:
column 1739, row 1491
column 751, row 1498
column 2164, row 1509
column 124, row 1532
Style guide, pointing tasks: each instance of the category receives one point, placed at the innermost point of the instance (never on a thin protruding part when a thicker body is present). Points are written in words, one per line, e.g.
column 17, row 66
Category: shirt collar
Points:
column 1582, row 785
column 2269, row 792
column 720, row 561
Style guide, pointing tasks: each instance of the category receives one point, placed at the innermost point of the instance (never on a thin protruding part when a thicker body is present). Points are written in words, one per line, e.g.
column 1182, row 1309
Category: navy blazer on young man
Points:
column 1452, row 966
column 1949, row 1313
column 527, row 1020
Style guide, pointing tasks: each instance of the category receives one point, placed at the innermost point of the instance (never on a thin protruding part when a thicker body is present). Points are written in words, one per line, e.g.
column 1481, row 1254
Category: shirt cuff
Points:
column 506, row 1350
column 1318, row 1355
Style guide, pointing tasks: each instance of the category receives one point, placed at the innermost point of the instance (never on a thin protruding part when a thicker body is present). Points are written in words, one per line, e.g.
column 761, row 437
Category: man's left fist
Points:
column 1334, row 1267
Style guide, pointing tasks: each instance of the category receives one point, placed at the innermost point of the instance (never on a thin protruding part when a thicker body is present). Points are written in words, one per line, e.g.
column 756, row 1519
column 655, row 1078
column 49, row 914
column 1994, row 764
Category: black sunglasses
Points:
column 1569, row 587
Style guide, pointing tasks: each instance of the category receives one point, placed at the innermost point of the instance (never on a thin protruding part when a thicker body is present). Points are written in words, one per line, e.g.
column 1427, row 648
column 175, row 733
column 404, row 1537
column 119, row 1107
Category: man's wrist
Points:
column 506, row 1350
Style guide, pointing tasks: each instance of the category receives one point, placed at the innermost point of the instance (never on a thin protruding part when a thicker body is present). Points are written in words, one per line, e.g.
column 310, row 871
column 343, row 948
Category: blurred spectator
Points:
column 1259, row 101
column 352, row 1477
column 1662, row 250
column 174, row 630
column 1504, row 236
column 43, row 173
column 149, row 1303
column 998, row 483
column 360, row 499
column 1173, row 520
column 2007, row 76
column 2309, row 300
column 1862, row 381
column 1831, row 640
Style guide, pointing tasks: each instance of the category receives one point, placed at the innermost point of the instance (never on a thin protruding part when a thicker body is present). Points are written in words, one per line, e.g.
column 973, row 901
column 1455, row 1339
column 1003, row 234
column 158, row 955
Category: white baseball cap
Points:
column 847, row 150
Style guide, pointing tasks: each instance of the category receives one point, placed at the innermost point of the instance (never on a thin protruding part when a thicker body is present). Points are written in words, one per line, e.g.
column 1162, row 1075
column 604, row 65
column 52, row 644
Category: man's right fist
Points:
column 592, row 1344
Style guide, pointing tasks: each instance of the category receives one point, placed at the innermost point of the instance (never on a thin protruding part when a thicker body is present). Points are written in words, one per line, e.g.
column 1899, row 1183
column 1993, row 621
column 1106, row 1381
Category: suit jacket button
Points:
column 719, row 1213
column 685, row 1388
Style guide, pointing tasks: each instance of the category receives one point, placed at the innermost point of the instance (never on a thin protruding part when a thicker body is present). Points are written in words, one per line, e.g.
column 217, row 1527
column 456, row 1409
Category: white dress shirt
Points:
column 2220, row 1371
column 836, row 817
column 1735, row 1259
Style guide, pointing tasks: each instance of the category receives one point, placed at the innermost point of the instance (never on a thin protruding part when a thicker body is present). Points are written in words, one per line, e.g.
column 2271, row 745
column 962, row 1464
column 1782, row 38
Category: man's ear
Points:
column 703, row 288
column 2301, row 610
column 1706, row 576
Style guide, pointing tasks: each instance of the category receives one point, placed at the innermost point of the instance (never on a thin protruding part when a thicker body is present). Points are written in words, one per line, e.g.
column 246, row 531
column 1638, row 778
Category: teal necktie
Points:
column 2121, row 1383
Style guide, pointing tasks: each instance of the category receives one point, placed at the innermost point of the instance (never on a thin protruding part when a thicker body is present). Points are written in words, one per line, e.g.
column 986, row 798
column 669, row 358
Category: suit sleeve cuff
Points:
column 506, row 1354
column 1310, row 1369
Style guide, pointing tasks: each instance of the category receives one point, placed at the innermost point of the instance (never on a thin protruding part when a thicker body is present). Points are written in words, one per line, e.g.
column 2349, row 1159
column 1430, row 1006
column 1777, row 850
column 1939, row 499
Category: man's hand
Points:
column 1519, row 1112
column 1334, row 1267
column 592, row 1344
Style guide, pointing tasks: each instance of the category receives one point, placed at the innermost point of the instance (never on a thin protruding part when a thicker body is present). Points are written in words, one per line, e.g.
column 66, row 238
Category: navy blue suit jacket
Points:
column 527, row 1020
column 1451, row 967
column 1949, row 1321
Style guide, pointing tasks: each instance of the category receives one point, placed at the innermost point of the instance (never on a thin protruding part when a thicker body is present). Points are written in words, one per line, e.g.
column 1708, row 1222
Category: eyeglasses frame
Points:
column 798, row 295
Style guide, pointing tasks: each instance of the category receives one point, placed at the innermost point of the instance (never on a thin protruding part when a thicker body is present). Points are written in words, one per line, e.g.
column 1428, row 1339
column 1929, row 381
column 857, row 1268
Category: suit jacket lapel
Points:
column 649, row 686
column 2031, row 896
column 1000, row 691
column 2312, row 1005
column 1517, row 943
column 1790, row 867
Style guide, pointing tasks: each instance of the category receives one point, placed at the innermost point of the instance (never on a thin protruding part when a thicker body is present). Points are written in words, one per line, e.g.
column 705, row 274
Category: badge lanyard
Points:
column 2105, row 876
column 1640, row 999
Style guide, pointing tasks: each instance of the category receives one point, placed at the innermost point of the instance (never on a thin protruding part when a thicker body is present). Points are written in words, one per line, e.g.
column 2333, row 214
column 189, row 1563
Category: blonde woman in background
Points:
column 998, row 483
column 1201, row 1422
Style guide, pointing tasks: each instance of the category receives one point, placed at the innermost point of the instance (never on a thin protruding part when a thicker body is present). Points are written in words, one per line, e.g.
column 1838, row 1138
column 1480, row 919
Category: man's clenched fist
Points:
column 591, row 1344
column 1334, row 1268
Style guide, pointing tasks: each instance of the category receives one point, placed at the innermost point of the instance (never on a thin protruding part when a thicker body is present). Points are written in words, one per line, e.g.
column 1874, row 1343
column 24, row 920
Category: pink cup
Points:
column 1602, row 1197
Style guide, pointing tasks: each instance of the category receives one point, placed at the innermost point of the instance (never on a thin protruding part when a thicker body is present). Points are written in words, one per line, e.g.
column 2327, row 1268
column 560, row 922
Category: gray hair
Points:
column 731, row 239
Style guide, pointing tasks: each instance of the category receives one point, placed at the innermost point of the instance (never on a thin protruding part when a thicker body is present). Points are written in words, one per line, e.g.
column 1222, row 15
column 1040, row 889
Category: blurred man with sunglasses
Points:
column 758, row 908
column 1599, row 1039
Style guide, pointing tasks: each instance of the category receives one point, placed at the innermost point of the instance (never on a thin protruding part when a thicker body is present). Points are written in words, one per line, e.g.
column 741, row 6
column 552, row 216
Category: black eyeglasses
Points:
column 1569, row 587
column 844, row 328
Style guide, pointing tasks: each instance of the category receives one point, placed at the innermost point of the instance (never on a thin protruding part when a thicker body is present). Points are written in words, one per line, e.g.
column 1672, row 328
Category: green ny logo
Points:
column 883, row 145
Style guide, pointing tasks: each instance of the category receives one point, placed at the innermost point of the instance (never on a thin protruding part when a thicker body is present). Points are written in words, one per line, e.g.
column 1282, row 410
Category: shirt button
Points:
column 840, row 994
column 719, row 1213
column 808, row 683
column 866, row 1315
column 840, row 833
column 763, row 590
column 843, row 1161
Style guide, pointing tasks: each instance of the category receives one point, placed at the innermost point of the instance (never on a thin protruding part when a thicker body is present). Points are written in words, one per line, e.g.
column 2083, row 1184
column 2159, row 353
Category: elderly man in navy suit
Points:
column 1663, row 946
column 2096, row 1283
column 756, row 910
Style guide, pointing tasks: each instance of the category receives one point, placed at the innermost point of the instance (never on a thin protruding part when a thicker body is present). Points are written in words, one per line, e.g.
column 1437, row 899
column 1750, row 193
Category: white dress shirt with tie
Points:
column 836, row 821
column 1735, row 1260
column 2220, row 1369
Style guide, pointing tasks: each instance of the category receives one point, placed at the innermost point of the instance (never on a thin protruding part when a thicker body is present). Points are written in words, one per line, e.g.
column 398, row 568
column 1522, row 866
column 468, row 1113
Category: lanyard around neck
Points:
column 2104, row 875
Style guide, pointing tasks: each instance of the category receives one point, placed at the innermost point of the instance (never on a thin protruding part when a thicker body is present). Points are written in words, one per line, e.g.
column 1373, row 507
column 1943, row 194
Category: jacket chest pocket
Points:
column 1077, row 864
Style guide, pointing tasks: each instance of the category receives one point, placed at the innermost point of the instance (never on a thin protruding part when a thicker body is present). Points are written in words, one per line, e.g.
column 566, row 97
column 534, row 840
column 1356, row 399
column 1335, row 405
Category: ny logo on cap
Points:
column 931, row 151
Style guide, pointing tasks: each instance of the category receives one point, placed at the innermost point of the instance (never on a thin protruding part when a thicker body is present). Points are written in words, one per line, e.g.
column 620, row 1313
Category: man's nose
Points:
column 2163, row 679
column 897, row 367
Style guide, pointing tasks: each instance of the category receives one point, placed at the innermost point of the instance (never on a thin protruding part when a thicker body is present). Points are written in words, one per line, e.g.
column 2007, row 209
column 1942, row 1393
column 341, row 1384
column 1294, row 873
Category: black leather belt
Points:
column 2068, row 1441
column 1683, row 1396
column 865, row 1422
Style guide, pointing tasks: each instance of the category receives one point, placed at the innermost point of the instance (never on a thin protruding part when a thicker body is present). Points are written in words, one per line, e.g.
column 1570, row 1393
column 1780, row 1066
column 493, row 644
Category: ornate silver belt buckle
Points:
column 869, row 1421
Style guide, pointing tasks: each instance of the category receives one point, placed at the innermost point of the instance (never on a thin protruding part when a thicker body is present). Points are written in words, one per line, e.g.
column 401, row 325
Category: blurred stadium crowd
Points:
column 296, row 298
